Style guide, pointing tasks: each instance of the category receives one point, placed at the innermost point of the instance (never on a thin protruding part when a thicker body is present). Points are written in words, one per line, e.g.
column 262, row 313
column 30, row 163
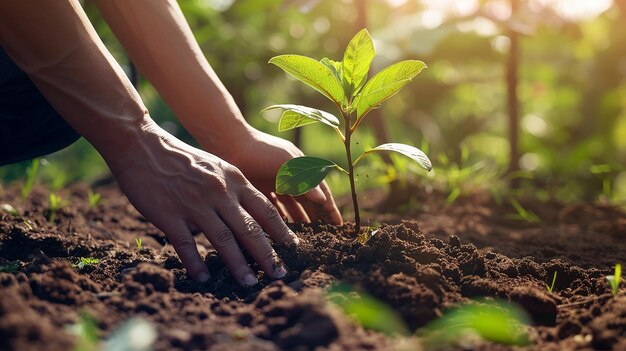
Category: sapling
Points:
column 551, row 287
column 615, row 279
column 345, row 84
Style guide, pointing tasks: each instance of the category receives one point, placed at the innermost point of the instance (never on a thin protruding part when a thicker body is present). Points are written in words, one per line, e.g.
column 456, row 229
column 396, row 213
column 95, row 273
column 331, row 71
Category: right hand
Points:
column 182, row 190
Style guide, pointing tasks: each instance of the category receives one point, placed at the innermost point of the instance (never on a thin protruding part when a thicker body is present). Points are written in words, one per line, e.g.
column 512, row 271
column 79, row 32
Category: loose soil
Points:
column 443, row 256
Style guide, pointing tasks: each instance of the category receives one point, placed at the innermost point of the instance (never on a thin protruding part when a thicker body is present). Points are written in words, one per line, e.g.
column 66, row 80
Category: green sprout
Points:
column 139, row 242
column 94, row 199
column 31, row 175
column 56, row 203
column 86, row 332
column 496, row 321
column 345, row 84
column 551, row 287
column 366, row 310
column 523, row 214
column 135, row 334
column 86, row 261
column 615, row 279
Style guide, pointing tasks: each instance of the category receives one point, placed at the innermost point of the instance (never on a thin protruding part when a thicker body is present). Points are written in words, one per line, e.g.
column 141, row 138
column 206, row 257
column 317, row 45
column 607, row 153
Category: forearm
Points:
column 54, row 43
column 159, row 41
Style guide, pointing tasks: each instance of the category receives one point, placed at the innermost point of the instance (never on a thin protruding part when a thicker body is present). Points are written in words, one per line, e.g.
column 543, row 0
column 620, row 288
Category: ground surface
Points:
column 446, row 255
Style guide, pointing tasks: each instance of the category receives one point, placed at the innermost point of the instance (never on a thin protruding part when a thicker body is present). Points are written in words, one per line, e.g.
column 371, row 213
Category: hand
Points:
column 259, row 156
column 182, row 190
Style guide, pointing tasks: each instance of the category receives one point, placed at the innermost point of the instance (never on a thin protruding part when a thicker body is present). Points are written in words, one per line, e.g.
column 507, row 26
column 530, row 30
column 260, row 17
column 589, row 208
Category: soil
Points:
column 445, row 254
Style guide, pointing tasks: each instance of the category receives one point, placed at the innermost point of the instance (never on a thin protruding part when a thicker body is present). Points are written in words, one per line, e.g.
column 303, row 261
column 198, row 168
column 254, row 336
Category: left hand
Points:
column 259, row 156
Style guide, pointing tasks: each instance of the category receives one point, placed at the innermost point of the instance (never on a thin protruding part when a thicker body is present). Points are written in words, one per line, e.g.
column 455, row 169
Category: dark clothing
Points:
column 29, row 125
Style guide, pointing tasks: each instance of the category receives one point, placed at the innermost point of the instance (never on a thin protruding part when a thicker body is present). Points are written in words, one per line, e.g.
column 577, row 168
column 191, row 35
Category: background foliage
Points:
column 572, row 88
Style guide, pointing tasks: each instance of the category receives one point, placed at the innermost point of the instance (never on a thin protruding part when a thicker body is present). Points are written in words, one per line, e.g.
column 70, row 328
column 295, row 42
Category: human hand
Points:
column 182, row 190
column 259, row 156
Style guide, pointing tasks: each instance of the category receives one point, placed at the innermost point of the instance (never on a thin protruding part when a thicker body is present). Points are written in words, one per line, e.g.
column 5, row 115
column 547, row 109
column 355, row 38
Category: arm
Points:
column 178, row 188
column 161, row 44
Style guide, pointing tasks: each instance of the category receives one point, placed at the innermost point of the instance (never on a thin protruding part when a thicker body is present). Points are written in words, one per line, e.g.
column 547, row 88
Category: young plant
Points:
column 31, row 174
column 86, row 261
column 94, row 199
column 492, row 320
column 138, row 241
column 56, row 203
column 86, row 333
column 615, row 279
column 366, row 310
column 551, row 287
column 523, row 214
column 345, row 84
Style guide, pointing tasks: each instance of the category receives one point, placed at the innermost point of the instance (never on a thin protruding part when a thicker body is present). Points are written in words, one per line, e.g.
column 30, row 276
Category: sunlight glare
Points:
column 575, row 10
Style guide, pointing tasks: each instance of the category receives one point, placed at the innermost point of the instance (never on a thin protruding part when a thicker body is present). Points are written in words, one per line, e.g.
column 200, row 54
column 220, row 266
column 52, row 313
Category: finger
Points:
column 296, row 211
column 330, row 207
column 252, row 236
column 279, row 206
column 261, row 209
column 185, row 246
column 227, row 248
column 316, row 195
column 326, row 210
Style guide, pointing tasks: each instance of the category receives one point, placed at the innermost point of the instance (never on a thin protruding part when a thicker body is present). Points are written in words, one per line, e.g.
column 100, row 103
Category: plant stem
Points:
column 355, row 203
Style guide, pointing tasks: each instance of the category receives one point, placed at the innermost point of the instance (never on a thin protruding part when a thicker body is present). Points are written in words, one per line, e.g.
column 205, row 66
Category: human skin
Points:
column 180, row 189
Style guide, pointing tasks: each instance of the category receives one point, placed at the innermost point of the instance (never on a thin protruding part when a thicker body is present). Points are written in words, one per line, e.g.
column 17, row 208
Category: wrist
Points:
column 224, row 142
column 127, row 141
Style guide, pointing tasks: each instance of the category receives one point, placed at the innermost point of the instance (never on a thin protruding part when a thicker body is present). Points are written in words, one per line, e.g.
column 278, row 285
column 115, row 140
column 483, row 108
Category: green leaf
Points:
column 296, row 116
column 334, row 67
column 386, row 84
column 356, row 62
column 411, row 152
column 313, row 73
column 496, row 321
column 366, row 310
column 301, row 174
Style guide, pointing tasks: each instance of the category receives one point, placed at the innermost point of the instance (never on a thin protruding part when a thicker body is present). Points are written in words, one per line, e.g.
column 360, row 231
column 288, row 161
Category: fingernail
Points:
column 280, row 272
column 249, row 280
column 203, row 277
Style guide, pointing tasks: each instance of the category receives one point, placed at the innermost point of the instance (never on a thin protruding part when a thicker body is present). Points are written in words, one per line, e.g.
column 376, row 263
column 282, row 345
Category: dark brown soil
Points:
column 417, row 267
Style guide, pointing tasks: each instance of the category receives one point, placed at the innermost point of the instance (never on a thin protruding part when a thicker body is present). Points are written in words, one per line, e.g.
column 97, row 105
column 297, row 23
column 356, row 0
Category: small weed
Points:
column 31, row 175
column 495, row 321
column 138, row 241
column 551, row 287
column 615, row 279
column 136, row 334
column 94, row 199
column 86, row 332
column 367, row 311
column 86, row 261
column 56, row 203
column 523, row 214
column 11, row 267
